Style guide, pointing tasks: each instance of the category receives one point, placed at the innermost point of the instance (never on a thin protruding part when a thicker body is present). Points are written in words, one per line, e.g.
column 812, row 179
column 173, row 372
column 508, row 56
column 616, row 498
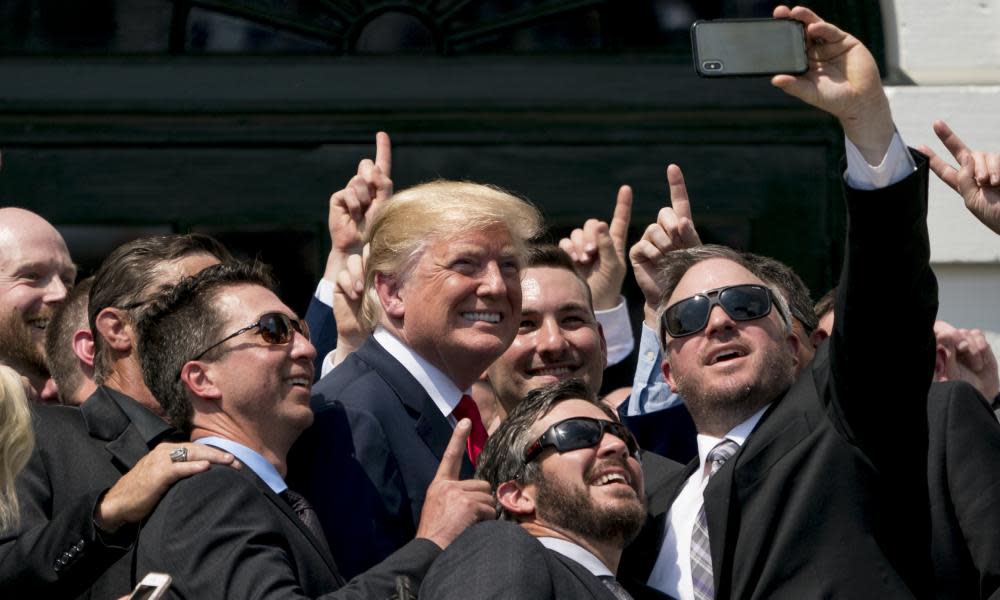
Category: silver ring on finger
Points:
column 179, row 455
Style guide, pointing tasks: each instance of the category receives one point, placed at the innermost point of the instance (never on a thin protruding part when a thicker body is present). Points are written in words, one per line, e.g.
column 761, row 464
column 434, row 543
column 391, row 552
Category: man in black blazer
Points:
column 233, row 367
column 443, row 296
column 819, row 488
column 570, row 491
column 98, row 470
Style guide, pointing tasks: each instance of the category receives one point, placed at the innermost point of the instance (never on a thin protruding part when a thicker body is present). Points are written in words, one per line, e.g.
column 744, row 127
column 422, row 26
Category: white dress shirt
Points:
column 577, row 553
column 672, row 572
column 438, row 386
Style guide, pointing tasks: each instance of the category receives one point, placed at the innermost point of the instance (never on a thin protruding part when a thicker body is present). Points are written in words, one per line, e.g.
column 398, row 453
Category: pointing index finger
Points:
column 678, row 192
column 383, row 153
column 451, row 461
column 620, row 220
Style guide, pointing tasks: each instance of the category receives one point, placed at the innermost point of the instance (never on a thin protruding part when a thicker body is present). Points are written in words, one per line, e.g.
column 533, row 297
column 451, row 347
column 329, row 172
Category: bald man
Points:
column 35, row 273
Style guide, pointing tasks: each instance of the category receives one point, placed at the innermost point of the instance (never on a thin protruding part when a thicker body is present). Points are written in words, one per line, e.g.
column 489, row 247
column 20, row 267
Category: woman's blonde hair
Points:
column 16, row 442
column 433, row 212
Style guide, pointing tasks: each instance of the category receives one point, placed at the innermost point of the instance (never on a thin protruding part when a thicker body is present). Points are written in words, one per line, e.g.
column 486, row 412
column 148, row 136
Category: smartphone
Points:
column 749, row 47
column 152, row 587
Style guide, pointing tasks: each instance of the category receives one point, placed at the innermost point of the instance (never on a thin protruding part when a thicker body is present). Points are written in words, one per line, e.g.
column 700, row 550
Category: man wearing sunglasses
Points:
column 96, row 472
column 569, row 489
column 233, row 367
column 812, row 484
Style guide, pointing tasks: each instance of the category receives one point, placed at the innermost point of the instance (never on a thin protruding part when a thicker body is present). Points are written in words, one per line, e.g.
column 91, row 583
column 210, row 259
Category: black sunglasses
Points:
column 579, row 432
column 274, row 327
column 741, row 302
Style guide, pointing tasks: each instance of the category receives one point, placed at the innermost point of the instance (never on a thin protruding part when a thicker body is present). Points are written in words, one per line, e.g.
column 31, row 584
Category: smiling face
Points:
column 558, row 338
column 35, row 273
column 730, row 369
column 264, row 388
column 460, row 306
column 596, row 493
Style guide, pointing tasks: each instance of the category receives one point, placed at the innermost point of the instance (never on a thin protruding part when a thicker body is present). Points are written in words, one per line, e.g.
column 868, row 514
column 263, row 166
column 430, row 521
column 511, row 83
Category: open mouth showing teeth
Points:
column 488, row 317
column 299, row 381
column 39, row 323
column 727, row 355
column 552, row 371
column 611, row 478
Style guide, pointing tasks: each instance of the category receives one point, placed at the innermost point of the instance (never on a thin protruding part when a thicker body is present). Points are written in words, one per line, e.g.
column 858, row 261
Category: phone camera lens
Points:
column 712, row 65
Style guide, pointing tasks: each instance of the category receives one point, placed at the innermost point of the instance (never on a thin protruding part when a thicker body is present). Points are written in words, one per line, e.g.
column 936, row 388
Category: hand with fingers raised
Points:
column 843, row 80
column 977, row 179
column 452, row 505
column 598, row 251
column 673, row 230
column 352, row 208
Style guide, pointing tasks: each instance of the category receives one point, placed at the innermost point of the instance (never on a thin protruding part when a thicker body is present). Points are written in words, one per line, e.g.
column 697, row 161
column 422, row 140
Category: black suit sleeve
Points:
column 56, row 555
column 322, row 331
column 490, row 561
column 972, row 466
column 218, row 536
column 882, row 347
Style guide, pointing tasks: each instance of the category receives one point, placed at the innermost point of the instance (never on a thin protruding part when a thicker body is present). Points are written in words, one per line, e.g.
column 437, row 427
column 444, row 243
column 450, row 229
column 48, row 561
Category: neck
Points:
column 126, row 377
column 273, row 452
column 608, row 551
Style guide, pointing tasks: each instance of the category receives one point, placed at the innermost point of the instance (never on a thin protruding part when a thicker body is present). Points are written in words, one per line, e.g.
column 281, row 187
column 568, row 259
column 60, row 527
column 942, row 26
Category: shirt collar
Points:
column 151, row 427
column 438, row 386
column 257, row 463
column 577, row 553
column 738, row 434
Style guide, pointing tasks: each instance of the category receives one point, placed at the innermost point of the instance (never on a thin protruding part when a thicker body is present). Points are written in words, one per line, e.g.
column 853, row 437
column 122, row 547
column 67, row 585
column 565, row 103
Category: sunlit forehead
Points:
column 711, row 274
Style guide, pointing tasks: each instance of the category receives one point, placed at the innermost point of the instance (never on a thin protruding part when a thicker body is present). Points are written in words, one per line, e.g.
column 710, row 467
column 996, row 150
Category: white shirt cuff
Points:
column 324, row 292
column 327, row 363
column 617, row 331
column 896, row 165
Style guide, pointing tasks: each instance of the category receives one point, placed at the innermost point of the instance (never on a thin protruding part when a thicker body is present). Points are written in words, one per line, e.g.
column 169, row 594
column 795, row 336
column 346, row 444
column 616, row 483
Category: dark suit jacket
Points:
column 322, row 331
column 397, row 436
column 964, row 483
column 499, row 559
column 224, row 533
column 79, row 453
column 828, row 496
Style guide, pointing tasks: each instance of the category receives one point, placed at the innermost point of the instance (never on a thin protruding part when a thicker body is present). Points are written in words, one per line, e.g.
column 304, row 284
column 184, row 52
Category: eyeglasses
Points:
column 741, row 302
column 275, row 328
column 579, row 432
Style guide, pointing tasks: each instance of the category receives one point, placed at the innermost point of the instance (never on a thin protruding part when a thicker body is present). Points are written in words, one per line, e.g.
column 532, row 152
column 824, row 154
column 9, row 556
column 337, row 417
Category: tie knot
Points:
column 467, row 409
column 722, row 452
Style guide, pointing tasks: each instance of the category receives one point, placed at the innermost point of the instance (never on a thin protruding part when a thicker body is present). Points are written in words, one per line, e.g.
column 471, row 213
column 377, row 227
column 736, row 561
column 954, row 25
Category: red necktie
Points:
column 467, row 409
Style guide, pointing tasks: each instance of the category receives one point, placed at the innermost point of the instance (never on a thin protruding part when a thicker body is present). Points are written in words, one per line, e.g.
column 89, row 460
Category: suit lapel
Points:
column 106, row 421
column 284, row 507
column 432, row 427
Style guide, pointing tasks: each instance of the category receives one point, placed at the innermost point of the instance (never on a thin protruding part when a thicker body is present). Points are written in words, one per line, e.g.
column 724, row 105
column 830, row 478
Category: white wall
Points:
column 950, row 50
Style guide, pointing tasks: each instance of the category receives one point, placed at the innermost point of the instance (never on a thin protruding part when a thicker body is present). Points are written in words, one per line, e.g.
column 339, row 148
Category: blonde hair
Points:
column 16, row 442
column 434, row 212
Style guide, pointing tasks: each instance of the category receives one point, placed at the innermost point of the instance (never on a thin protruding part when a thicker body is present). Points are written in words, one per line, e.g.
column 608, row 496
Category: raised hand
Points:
column 352, row 208
column 451, row 505
column 137, row 493
column 842, row 80
column 977, row 179
column 673, row 230
column 598, row 251
column 965, row 355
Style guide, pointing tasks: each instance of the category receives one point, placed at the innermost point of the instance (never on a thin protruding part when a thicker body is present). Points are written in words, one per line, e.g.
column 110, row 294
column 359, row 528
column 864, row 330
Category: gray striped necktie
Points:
column 701, row 552
column 616, row 588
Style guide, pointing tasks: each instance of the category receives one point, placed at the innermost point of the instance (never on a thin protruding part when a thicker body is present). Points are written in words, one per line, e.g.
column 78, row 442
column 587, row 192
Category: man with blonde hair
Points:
column 443, row 296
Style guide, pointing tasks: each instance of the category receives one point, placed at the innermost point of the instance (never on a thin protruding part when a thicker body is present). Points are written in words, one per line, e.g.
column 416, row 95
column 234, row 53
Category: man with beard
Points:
column 569, row 488
column 816, row 488
column 35, row 272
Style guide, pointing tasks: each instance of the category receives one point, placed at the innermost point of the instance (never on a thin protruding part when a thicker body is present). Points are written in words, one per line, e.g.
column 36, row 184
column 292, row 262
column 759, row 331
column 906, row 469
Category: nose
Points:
column 492, row 282
column 719, row 320
column 612, row 445
column 55, row 290
column 550, row 339
column 302, row 347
